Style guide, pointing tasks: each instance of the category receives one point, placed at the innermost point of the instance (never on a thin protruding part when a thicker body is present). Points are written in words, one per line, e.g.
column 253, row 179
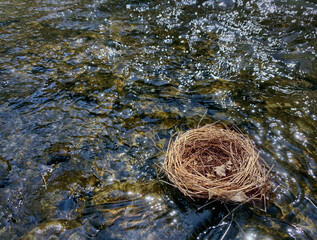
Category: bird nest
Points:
column 216, row 163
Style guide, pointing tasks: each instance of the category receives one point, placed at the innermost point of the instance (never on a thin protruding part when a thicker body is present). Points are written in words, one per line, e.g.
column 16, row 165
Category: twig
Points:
column 167, row 183
column 202, row 117
column 158, row 166
column 234, row 219
column 307, row 198
column 206, row 205
column 44, row 180
column 239, row 226
column 225, row 233
column 155, row 145
column 230, row 212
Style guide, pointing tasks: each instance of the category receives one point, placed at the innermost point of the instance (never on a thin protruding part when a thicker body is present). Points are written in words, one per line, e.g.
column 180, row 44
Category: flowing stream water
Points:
column 91, row 92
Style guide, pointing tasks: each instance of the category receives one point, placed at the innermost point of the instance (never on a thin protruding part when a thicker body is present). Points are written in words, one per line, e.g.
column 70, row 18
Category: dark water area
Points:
column 87, row 87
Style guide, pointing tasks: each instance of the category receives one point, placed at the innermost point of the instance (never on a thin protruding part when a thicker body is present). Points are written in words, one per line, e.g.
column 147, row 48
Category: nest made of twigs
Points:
column 215, row 162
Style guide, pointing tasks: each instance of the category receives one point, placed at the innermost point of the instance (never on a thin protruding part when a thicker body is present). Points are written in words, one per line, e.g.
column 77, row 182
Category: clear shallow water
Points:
column 86, row 86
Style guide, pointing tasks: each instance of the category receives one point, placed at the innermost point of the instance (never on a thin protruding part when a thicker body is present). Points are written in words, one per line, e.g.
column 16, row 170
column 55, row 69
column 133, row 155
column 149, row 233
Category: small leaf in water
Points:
column 239, row 197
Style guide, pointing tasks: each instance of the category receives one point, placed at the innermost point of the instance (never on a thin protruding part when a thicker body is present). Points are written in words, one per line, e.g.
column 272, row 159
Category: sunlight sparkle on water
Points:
column 251, row 236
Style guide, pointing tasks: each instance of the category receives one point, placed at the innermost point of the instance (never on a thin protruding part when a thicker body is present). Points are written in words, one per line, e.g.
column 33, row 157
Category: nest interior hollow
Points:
column 216, row 162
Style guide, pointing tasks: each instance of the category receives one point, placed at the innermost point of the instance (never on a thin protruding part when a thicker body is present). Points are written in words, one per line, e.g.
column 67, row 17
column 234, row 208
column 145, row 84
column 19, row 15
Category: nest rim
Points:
column 215, row 162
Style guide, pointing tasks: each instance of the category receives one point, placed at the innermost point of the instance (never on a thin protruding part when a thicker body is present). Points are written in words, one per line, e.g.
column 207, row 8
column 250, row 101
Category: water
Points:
column 88, row 86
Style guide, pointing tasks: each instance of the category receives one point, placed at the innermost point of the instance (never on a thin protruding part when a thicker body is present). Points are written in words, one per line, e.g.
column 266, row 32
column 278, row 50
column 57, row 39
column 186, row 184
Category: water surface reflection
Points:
column 86, row 86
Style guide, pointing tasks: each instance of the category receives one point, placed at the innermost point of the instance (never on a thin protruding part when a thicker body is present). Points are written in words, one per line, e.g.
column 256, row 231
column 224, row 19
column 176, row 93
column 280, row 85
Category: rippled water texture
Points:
column 87, row 87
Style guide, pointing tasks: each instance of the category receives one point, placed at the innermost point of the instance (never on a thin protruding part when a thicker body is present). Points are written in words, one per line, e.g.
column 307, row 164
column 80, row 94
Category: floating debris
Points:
column 214, row 162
